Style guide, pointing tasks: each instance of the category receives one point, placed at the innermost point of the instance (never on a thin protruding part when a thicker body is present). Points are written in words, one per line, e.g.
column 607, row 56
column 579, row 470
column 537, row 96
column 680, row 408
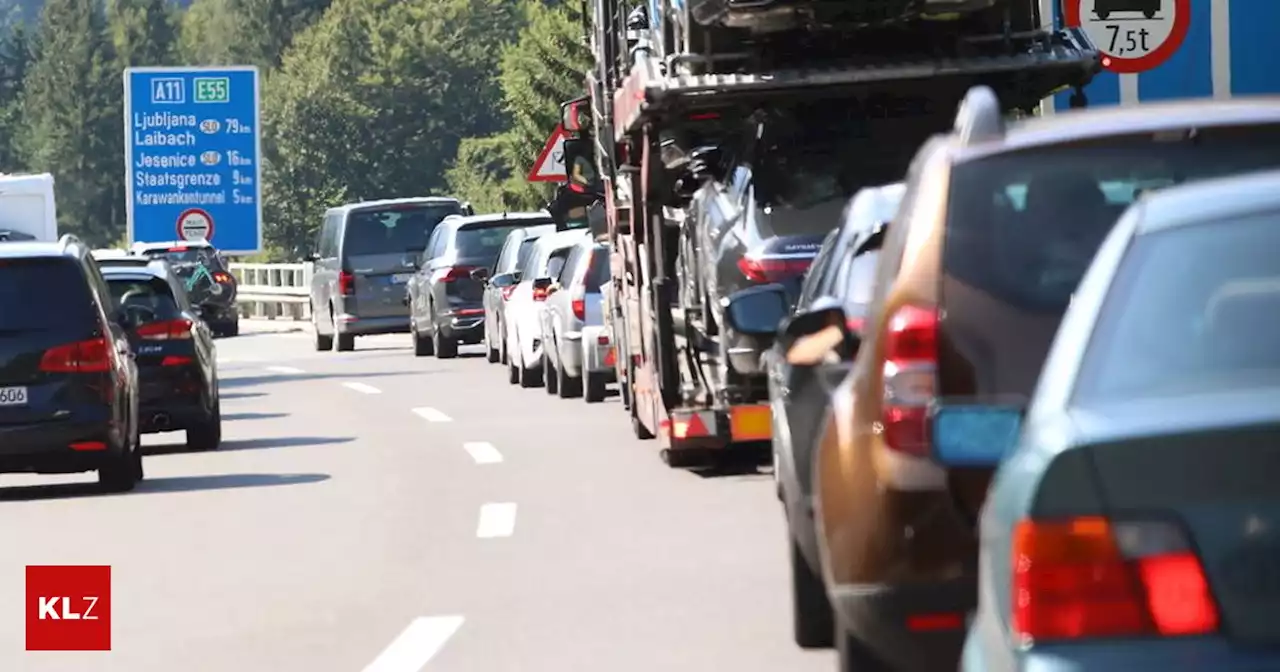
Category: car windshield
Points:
column 27, row 286
column 394, row 230
column 1023, row 227
column 143, row 299
column 483, row 242
column 1192, row 309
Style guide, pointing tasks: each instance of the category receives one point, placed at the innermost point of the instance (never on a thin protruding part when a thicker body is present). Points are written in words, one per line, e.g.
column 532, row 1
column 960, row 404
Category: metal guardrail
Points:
column 273, row 291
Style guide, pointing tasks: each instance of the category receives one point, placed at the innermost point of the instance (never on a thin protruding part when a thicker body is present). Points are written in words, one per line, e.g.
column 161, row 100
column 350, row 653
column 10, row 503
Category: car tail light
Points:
column 223, row 278
column 346, row 283
column 772, row 270
column 508, row 291
column 909, row 371
column 180, row 248
column 91, row 356
column 457, row 273
column 855, row 324
column 174, row 360
column 168, row 330
column 579, row 309
column 602, row 339
column 540, row 293
column 1093, row 577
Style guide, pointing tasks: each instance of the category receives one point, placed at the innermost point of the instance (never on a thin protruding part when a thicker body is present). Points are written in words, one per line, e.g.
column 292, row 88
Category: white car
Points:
column 522, row 311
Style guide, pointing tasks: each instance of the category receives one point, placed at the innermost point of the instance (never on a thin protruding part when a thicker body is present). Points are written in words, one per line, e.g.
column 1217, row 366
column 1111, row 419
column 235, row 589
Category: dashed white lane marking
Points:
column 431, row 415
column 362, row 388
column 482, row 452
column 416, row 645
column 497, row 519
column 287, row 370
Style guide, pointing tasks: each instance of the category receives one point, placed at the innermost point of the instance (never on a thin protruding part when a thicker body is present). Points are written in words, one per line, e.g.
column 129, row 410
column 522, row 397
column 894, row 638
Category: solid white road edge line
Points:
column 482, row 452
column 287, row 370
column 416, row 645
column 431, row 415
column 497, row 519
column 362, row 388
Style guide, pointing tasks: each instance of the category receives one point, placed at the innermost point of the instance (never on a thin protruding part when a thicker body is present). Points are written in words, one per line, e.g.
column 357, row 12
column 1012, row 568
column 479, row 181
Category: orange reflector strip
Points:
column 935, row 622
column 89, row 445
column 610, row 358
column 751, row 423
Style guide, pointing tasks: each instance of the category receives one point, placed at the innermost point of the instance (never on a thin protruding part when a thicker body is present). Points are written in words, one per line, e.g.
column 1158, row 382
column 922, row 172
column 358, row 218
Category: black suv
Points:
column 205, row 277
column 68, row 381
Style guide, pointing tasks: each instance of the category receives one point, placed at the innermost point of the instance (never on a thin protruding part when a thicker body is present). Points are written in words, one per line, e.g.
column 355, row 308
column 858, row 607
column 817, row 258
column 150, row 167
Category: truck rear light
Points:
column 579, row 308
column 91, row 356
column 1091, row 577
column 910, row 379
column 457, row 273
column 346, row 283
column 168, row 330
column 772, row 270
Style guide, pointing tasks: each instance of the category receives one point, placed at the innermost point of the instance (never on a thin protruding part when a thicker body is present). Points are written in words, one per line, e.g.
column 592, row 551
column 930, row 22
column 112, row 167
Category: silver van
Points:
column 365, row 253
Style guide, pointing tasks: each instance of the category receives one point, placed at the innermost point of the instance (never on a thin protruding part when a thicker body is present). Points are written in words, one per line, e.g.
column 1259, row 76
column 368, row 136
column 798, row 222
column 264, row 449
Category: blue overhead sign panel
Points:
column 193, row 156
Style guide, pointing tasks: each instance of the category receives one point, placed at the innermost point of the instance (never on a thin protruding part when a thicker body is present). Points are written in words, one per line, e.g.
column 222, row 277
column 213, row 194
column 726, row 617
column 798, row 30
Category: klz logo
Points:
column 68, row 608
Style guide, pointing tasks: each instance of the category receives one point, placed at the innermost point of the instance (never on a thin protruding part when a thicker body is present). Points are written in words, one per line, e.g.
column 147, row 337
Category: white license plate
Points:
column 13, row 396
column 400, row 278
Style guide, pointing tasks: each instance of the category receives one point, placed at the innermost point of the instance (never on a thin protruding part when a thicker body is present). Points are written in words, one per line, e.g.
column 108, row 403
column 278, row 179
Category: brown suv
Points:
column 995, row 230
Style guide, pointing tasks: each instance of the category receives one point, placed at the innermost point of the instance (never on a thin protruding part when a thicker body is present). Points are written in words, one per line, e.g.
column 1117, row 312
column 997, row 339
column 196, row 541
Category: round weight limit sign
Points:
column 195, row 224
column 1133, row 35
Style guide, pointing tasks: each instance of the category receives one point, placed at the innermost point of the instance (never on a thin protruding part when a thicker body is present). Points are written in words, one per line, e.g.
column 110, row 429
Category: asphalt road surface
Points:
column 376, row 512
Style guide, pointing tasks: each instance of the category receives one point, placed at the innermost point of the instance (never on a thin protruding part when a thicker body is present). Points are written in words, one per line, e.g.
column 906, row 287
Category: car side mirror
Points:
column 757, row 311
column 818, row 319
column 480, row 274
column 973, row 435
column 502, row 280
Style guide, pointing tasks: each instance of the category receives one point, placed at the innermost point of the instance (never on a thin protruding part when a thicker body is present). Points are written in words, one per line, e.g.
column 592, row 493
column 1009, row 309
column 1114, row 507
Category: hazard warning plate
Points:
column 751, row 423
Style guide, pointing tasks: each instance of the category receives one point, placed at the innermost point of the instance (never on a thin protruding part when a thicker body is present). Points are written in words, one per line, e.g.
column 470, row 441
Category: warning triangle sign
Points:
column 549, row 166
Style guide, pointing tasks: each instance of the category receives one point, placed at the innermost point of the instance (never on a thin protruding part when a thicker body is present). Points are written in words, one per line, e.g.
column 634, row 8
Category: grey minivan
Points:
column 365, row 253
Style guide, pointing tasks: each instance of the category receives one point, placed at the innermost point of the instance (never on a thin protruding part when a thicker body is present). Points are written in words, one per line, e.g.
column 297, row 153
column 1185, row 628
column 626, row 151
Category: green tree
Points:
column 17, row 51
column 245, row 32
column 142, row 31
column 372, row 101
column 545, row 67
column 71, row 107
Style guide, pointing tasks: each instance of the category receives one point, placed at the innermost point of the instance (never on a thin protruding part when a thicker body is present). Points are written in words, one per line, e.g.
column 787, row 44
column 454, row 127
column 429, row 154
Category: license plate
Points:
column 400, row 278
column 13, row 396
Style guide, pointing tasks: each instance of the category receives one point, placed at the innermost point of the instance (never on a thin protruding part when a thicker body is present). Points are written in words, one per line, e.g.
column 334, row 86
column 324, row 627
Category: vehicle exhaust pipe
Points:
column 160, row 421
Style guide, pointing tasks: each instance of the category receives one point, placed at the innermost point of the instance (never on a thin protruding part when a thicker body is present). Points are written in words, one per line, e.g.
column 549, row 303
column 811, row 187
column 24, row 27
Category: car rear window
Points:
column 483, row 241
column 394, row 230
column 1023, row 227
column 598, row 271
column 143, row 299
column 188, row 257
column 1192, row 309
column 44, row 294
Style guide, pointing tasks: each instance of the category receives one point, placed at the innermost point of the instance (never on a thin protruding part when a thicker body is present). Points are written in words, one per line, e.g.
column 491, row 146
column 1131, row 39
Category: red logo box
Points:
column 68, row 608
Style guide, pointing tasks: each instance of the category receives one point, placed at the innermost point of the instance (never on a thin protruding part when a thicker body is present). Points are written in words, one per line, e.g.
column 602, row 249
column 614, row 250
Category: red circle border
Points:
column 1177, row 35
column 192, row 211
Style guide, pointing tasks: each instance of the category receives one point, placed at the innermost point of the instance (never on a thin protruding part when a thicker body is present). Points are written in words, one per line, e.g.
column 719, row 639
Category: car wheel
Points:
column 569, row 386
column 422, row 346
column 813, row 622
column 531, row 376
column 852, row 655
column 446, row 348
column 323, row 343
column 122, row 473
column 513, row 373
column 345, row 343
column 549, row 376
column 233, row 329
column 491, row 354
column 595, row 387
column 503, row 355
column 208, row 434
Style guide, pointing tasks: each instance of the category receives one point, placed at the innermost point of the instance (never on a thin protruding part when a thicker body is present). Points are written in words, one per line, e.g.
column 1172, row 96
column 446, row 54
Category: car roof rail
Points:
column 69, row 239
column 979, row 117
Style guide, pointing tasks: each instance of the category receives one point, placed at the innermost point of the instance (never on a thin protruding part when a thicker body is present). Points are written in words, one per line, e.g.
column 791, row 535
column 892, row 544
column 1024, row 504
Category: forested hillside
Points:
column 362, row 98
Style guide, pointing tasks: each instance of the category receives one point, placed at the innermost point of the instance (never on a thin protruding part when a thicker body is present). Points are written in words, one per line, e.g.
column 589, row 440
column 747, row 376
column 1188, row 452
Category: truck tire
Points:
column 595, row 389
column 813, row 622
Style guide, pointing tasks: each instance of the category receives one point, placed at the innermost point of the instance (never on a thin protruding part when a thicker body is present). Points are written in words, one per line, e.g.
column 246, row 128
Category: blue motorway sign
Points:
column 193, row 156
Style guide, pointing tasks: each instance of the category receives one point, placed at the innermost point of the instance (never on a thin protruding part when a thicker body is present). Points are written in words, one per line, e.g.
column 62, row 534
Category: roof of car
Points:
column 1210, row 200
column 150, row 270
column 533, row 218
column 425, row 200
column 20, row 249
column 1075, row 125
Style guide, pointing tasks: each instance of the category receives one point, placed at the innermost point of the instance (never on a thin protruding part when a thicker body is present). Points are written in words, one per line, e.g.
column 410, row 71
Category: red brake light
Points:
column 1092, row 577
column 855, row 324
column 91, row 356
column 168, row 330
column 540, row 293
column 457, row 273
column 772, row 270
column 222, row 277
column 174, row 360
column 177, row 249
column 346, row 283
column 909, row 372
column 579, row 309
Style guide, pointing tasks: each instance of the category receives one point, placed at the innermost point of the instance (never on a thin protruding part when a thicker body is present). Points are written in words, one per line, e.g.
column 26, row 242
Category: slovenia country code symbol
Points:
column 1133, row 35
